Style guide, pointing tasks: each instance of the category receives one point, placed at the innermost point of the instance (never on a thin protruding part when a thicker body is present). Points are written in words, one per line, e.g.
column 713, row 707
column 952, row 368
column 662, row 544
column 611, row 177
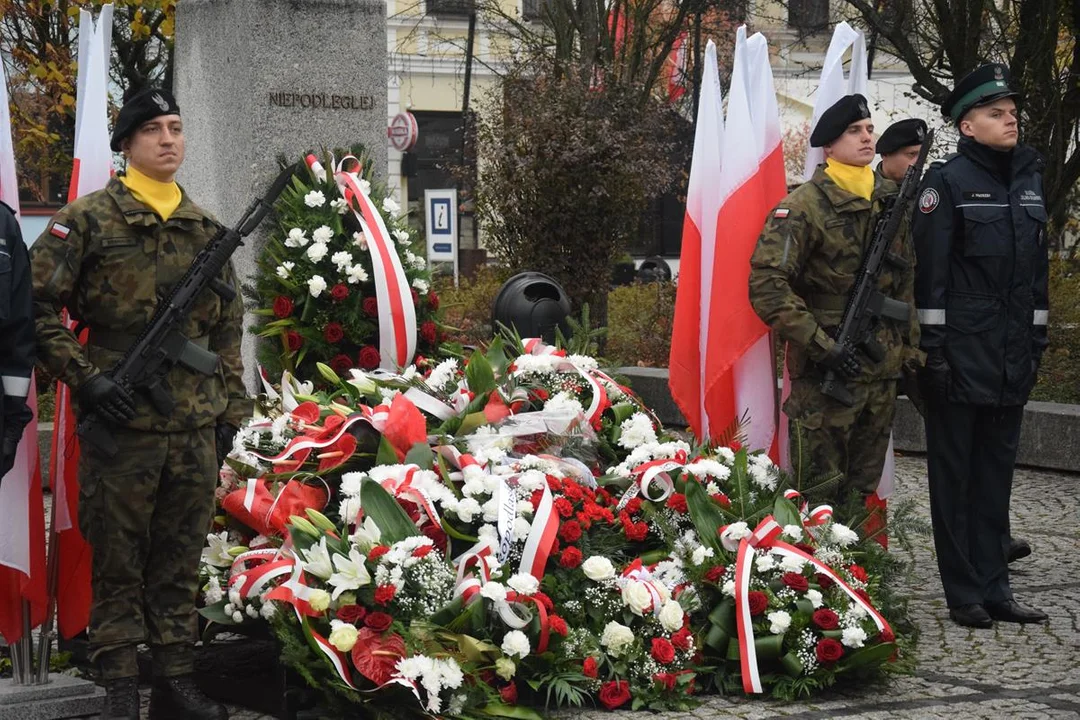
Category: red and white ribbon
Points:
column 653, row 471
column 334, row 656
column 253, row 570
column 536, row 346
column 296, row 447
column 818, row 516
column 545, row 526
column 397, row 315
column 401, row 485
column 430, row 404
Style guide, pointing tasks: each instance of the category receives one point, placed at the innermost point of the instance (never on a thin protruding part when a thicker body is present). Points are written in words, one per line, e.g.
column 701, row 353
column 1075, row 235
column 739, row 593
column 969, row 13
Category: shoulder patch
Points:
column 929, row 201
column 781, row 213
column 58, row 230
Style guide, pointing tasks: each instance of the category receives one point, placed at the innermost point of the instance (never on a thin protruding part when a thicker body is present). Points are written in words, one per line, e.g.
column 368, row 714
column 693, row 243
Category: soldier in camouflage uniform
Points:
column 802, row 272
column 107, row 258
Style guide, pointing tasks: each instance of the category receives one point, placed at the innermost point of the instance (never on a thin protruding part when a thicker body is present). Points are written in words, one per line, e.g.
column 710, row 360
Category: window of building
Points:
column 808, row 15
column 451, row 8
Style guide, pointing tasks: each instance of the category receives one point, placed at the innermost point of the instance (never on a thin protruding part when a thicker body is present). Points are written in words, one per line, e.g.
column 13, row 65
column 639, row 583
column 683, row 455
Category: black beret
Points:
column 983, row 85
column 145, row 105
column 900, row 135
column 834, row 121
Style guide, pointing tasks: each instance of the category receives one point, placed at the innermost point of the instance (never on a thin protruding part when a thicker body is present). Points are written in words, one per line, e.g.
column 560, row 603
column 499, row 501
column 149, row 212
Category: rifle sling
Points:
column 120, row 341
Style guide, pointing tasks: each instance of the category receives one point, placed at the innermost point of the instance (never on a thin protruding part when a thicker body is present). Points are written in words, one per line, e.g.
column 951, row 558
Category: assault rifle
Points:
column 866, row 305
column 162, row 343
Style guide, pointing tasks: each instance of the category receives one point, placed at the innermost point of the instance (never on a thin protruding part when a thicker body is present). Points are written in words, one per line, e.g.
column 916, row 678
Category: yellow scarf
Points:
column 162, row 198
column 857, row 180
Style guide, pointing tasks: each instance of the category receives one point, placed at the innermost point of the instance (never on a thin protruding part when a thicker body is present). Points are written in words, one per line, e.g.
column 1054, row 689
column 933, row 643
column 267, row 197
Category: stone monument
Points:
column 257, row 79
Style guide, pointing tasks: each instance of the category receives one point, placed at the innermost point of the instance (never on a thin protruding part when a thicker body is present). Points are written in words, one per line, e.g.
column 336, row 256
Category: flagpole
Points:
column 26, row 644
column 53, row 580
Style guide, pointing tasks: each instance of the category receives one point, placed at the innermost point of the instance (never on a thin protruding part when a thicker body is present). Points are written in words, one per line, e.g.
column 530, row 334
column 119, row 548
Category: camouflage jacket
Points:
column 107, row 258
column 805, row 264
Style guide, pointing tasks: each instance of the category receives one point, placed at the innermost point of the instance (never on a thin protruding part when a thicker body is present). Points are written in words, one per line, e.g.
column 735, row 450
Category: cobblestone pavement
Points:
column 1010, row 671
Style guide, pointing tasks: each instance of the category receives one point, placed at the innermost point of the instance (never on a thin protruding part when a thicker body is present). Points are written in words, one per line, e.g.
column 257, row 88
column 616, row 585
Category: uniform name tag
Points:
column 979, row 196
column 3, row 242
column 115, row 242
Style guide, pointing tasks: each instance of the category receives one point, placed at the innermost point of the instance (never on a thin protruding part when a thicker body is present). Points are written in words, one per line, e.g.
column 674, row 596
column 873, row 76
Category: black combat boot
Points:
column 178, row 698
column 121, row 699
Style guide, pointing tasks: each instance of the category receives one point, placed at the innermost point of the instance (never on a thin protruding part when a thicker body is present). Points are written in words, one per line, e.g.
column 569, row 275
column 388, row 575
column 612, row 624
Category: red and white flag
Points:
column 91, row 170
column 740, row 379
column 22, row 511
column 690, row 331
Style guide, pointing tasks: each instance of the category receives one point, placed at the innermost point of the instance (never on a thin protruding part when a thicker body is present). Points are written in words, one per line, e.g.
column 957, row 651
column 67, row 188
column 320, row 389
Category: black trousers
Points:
column 971, row 452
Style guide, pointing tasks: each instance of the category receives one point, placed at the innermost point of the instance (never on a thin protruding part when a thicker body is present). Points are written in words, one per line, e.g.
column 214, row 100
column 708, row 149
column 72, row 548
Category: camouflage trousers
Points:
column 146, row 513
column 851, row 441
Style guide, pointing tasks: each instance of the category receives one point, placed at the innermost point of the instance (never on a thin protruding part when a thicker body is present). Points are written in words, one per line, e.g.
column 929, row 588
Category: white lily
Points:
column 351, row 573
column 317, row 560
column 216, row 552
column 367, row 534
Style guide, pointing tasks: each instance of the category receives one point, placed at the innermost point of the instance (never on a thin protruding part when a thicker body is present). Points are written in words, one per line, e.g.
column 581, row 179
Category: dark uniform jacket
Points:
column 806, row 262
column 16, row 326
column 981, row 285
column 107, row 258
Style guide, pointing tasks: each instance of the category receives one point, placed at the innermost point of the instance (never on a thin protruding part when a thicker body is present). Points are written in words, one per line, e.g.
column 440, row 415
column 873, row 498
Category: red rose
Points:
column 662, row 651
column 826, row 619
column 433, row 301
column 384, row 594
column 436, row 534
column 759, row 602
column 808, row 549
column 377, row 552
column 371, row 307
column 795, row 581
column 422, row 551
column 722, row 500
column 508, row 693
column 339, row 292
column 887, row 636
column 558, row 625
column 571, row 557
column 294, row 340
column 428, row 332
column 683, row 639
column 564, row 507
column 677, row 502
column 666, row 679
column 369, row 357
column 283, row 306
column 341, row 363
column 824, row 581
column 828, row 650
column 858, row 573
column 636, row 532
column 714, row 573
column 614, row 693
column 351, row 613
column 378, row 621
column 588, row 668
column 333, row 332
column 570, row 531
column 863, row 594
column 415, row 296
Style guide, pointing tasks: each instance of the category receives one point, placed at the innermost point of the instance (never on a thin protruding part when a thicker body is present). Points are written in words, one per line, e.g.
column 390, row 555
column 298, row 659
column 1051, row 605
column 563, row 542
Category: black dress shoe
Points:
column 974, row 615
column 1012, row 611
column 178, row 698
column 121, row 699
column 1018, row 549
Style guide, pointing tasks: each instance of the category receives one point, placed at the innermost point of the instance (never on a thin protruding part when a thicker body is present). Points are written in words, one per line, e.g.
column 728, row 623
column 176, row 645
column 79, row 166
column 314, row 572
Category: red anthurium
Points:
column 307, row 412
column 405, row 426
column 337, row 453
column 375, row 657
column 496, row 409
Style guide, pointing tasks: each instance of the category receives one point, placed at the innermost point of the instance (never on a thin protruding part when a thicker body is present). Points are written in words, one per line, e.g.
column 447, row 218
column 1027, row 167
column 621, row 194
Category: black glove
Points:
column 223, row 439
column 936, row 374
column 9, row 446
column 843, row 360
column 103, row 395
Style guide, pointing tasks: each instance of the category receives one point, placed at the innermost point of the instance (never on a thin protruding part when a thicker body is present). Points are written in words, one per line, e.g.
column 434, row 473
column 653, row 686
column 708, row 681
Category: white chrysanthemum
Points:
column 561, row 403
column 467, row 509
column 390, row 206
column 524, row 583
column 315, row 199
column 671, row 616
column 598, row 568
column 516, row 644
column 707, row 467
column 213, row 592
column 854, row 637
column 316, row 285
column 443, row 373
column 842, row 535
column 616, row 638
column 356, row 274
column 636, row 430
column 401, row 236
column 780, row 620
column 762, row 476
column 297, row 238
column 343, row 260
column 316, row 252
column 339, row 206
column 323, row 234
column 636, row 596
column 421, row 286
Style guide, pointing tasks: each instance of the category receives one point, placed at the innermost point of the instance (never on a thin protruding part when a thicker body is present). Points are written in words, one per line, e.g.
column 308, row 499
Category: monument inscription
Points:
column 316, row 100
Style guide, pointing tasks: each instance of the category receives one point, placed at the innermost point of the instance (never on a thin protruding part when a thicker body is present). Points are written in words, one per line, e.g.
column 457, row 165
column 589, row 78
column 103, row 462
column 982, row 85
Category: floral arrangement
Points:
column 316, row 292
column 516, row 531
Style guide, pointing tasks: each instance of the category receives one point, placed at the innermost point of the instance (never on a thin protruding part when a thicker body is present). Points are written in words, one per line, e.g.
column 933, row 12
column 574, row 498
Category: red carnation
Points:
column 377, row 552
column 436, row 534
column 428, row 332
column 682, row 639
column 384, row 594
column 369, row 357
column 826, row 619
column 558, row 625
column 544, row 600
column 564, row 507
column 588, row 668
column 795, row 581
column 714, row 573
column 633, row 507
column 508, row 693
column 433, row 301
column 422, row 551
column 570, row 531
column 294, row 340
column 677, row 502
column 351, row 613
column 857, row 572
column 662, row 650
column 824, row 581
column 371, row 307
column 759, row 602
column 722, row 500
column 339, row 292
column 554, row 483
column 333, row 332
column 666, row 679
column 828, row 650
column 341, row 363
column 378, row 621
column 283, row 306
column 614, row 693
column 636, row 532
column 571, row 558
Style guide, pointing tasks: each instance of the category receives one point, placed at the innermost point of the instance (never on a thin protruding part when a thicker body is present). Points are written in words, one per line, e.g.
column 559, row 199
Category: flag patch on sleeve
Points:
column 781, row 213
column 60, row 231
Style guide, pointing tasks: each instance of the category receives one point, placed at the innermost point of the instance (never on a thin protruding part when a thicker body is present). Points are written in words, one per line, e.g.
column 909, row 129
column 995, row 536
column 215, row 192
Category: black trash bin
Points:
column 533, row 304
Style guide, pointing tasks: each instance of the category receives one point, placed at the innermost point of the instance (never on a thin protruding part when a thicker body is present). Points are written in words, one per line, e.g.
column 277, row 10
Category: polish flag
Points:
column 690, row 331
column 90, row 171
column 740, row 379
column 22, row 509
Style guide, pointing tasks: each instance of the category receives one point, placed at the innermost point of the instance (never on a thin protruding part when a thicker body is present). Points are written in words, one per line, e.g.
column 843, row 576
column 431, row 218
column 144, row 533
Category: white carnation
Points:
column 356, row 274
column 794, row 532
column 516, row 643
column 524, row 583
column 316, row 252
column 780, row 620
column 764, row 563
column 315, row 199
column 342, row 259
column 792, row 563
column 339, row 206
column 700, row 553
column 814, row 596
column 636, row 430
column 467, row 508
column 732, row 534
column 359, row 239
column 521, row 529
column 296, row 238
column 854, row 637
column 421, row 286
column 729, row 588
column 496, row 592
column 323, row 234
column 316, row 284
